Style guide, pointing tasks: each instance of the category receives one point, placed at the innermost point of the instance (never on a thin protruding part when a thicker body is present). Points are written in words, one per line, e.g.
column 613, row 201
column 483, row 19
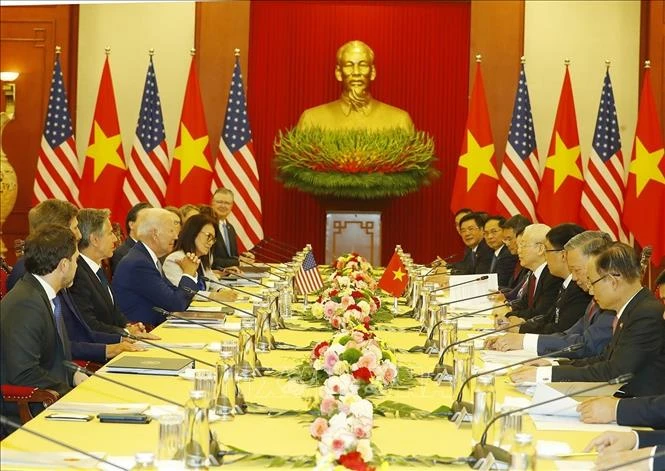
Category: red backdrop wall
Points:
column 421, row 55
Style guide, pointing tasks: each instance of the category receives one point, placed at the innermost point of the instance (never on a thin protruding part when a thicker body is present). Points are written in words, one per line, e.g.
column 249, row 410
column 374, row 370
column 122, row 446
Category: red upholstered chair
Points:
column 88, row 365
column 22, row 396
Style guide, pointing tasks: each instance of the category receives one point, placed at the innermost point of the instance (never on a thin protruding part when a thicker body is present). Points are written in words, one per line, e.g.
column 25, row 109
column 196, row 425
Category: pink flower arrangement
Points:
column 346, row 307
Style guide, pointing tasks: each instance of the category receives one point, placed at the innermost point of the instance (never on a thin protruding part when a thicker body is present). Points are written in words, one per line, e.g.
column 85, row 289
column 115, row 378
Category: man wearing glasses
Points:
column 503, row 262
column 638, row 342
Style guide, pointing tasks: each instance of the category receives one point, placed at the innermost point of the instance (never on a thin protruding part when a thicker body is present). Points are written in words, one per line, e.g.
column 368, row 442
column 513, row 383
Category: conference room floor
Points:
column 288, row 435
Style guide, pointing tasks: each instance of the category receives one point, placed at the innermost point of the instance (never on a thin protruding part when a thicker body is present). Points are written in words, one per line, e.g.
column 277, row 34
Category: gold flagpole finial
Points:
column 566, row 62
column 607, row 64
column 107, row 50
column 192, row 52
column 479, row 58
column 236, row 52
column 523, row 60
column 151, row 52
column 647, row 64
column 58, row 50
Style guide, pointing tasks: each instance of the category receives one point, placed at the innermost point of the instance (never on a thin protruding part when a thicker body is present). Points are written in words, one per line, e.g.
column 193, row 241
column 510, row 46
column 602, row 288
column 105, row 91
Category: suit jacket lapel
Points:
column 51, row 316
column 101, row 289
column 625, row 317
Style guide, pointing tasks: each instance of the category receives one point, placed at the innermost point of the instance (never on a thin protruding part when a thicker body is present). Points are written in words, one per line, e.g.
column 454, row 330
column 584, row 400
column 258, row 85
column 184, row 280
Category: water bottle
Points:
column 197, row 441
column 523, row 453
column 286, row 298
column 246, row 355
column 144, row 461
column 263, row 333
column 225, row 402
column 462, row 361
column 483, row 407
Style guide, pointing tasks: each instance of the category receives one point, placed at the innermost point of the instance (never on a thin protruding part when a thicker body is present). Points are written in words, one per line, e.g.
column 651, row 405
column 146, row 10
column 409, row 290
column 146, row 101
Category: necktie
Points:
column 523, row 287
column 592, row 309
column 158, row 264
column 60, row 326
column 531, row 289
column 493, row 263
column 225, row 233
column 105, row 282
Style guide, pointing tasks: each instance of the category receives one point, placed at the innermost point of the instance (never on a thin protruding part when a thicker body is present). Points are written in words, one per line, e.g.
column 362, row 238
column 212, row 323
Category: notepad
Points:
column 149, row 365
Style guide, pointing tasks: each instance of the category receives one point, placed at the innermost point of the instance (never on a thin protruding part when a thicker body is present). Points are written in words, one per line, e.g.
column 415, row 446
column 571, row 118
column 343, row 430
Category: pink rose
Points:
column 335, row 322
column 329, row 309
column 328, row 405
column 318, row 427
column 330, row 358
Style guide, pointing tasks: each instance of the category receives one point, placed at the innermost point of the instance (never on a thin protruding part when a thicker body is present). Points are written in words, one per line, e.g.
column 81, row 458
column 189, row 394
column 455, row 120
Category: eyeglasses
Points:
column 591, row 283
column 469, row 229
column 209, row 237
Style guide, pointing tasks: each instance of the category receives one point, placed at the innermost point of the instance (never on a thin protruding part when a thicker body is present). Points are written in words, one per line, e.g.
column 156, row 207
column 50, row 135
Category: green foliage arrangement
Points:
column 355, row 163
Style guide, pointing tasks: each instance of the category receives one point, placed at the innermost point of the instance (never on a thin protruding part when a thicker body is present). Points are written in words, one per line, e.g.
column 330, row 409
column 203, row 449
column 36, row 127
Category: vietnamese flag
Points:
column 395, row 278
column 191, row 168
column 104, row 166
column 476, row 179
column 560, row 195
column 644, row 201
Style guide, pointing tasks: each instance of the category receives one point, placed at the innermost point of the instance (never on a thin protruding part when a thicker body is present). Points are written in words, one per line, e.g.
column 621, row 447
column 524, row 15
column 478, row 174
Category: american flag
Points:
column 520, row 172
column 604, row 184
column 308, row 278
column 235, row 168
column 58, row 169
column 148, row 166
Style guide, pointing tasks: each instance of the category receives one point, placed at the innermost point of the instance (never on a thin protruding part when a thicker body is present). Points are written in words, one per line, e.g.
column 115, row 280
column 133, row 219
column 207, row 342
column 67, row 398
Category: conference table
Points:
column 284, row 435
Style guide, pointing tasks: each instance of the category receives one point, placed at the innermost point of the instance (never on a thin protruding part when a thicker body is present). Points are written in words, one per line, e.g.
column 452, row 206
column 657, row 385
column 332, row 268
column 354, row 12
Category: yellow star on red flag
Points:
column 191, row 152
column 645, row 166
column 399, row 274
column 477, row 160
column 104, row 151
column 563, row 162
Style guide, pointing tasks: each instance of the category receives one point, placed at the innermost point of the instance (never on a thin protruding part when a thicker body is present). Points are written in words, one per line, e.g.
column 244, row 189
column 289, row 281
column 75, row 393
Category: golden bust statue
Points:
column 356, row 109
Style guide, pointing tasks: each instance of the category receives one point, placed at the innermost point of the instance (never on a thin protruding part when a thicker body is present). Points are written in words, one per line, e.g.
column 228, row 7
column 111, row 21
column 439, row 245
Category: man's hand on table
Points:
column 138, row 330
column 612, row 459
column 523, row 374
column 599, row 410
column 114, row 349
column 225, row 295
column 507, row 342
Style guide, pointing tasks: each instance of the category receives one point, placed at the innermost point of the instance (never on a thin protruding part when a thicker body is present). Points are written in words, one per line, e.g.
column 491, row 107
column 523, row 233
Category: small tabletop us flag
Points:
column 395, row 278
column 308, row 278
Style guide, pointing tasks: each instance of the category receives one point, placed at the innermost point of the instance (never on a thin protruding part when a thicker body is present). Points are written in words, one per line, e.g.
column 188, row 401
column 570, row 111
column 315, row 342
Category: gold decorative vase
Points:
column 8, row 183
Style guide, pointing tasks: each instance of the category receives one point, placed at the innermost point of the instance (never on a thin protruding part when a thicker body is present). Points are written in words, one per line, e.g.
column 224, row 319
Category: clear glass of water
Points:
column 171, row 438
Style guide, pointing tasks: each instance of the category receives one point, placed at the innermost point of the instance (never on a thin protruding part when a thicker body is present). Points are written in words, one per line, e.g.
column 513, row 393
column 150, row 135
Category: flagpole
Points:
column 395, row 304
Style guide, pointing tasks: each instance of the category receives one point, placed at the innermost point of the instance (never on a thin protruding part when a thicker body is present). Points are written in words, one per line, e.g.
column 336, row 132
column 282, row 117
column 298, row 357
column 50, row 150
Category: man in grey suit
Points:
column 225, row 251
column 34, row 341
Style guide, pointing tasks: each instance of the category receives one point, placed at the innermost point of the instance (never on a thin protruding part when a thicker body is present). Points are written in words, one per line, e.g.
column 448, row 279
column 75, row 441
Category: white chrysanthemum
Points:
column 362, row 408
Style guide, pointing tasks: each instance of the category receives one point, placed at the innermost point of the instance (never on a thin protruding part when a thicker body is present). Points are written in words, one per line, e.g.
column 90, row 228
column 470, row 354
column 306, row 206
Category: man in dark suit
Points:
column 225, row 251
column 34, row 338
column 503, row 262
column 52, row 211
column 638, row 343
column 477, row 255
column 91, row 290
column 130, row 240
column 513, row 228
column 593, row 329
column 542, row 288
column 646, row 411
column 139, row 284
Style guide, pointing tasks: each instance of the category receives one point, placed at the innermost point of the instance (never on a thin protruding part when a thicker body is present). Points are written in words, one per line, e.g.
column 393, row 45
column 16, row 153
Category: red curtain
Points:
column 421, row 56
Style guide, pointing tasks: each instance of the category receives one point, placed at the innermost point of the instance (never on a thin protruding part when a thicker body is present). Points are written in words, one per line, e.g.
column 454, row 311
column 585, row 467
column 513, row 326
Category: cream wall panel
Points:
column 131, row 29
column 587, row 33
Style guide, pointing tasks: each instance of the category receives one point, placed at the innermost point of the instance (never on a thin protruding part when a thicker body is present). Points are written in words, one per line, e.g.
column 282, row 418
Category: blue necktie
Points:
column 105, row 282
column 227, row 243
column 60, row 325
column 493, row 264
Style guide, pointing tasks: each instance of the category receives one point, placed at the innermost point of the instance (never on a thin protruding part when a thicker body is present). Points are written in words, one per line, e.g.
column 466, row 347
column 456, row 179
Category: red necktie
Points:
column 531, row 290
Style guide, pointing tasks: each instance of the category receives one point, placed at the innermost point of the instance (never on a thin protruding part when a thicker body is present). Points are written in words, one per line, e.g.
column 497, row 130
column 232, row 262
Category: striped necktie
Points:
column 60, row 326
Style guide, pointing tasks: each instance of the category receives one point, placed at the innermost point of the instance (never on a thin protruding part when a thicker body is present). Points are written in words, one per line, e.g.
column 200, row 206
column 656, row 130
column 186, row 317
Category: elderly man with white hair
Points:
column 139, row 283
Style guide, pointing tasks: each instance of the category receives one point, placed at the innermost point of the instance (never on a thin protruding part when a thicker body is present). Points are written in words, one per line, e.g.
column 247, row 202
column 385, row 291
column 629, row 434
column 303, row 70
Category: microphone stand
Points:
column 154, row 344
column 5, row 421
column 481, row 449
column 441, row 368
column 217, row 282
column 270, row 266
column 275, row 248
column 274, row 241
column 214, row 446
column 271, row 252
column 458, row 404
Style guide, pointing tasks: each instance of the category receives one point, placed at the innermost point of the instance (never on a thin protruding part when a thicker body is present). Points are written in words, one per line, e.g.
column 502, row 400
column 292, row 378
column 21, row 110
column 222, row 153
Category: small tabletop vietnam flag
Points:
column 395, row 277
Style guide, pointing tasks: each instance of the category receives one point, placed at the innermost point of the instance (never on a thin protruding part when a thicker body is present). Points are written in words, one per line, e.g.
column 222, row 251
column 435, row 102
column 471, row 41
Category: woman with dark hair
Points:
column 197, row 236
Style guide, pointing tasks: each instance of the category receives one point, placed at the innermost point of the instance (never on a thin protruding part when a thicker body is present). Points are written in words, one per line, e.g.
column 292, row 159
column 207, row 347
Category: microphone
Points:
column 282, row 270
column 166, row 313
column 472, row 297
column 5, row 421
column 458, row 404
column 658, row 454
column 190, row 290
column 283, row 244
column 154, row 344
column 248, row 279
column 277, row 249
column 74, row 367
column 481, row 449
column 480, row 278
column 217, row 282
column 438, row 262
column 262, row 249
column 441, row 368
column 468, row 314
column 213, row 442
